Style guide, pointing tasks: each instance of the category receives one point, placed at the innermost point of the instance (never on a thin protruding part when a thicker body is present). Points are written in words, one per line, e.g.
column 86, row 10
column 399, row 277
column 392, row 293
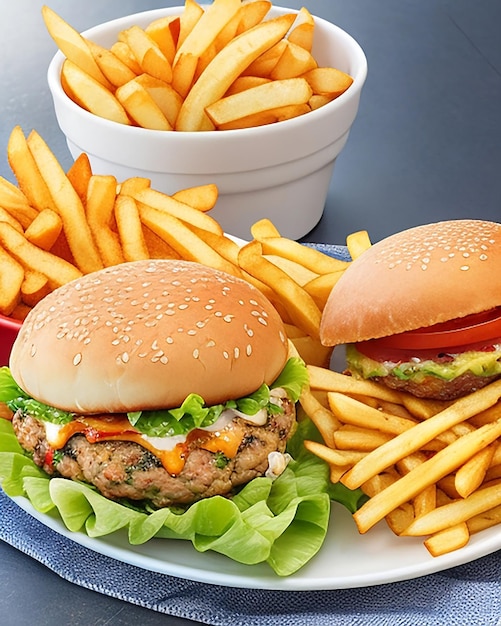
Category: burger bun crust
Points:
column 414, row 279
column 146, row 334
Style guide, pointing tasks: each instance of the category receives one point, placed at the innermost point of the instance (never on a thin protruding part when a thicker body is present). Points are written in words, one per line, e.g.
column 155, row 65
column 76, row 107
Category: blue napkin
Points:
column 469, row 595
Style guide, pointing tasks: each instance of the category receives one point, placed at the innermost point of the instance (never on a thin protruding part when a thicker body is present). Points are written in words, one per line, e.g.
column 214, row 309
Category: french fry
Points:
column 149, row 56
column 325, row 421
column 341, row 458
column 470, row 476
column 192, row 12
column 132, row 185
column 264, row 64
column 357, row 243
column 79, row 175
column 456, row 512
column 251, row 13
column 11, row 279
column 270, row 95
column 329, row 380
column 16, row 203
column 91, row 94
column 99, row 211
column 299, row 304
column 301, row 274
column 68, row 205
column 413, row 439
column 328, row 81
column 26, row 171
column 293, row 62
column 73, row 45
column 163, row 95
column 321, row 286
column 198, row 40
column 165, row 33
column 226, row 66
column 310, row 258
column 185, row 212
column 357, row 438
column 57, row 270
column 121, row 50
column 111, row 66
column 447, row 540
column 183, row 240
column 44, row 229
column 429, row 472
column 201, row 197
column 5, row 216
column 246, row 82
column 141, row 107
column 130, row 229
column 264, row 228
column 158, row 248
column 301, row 32
column 34, row 287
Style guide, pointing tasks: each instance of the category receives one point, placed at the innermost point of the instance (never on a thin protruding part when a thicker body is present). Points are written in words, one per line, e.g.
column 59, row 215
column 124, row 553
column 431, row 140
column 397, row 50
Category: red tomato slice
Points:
column 479, row 328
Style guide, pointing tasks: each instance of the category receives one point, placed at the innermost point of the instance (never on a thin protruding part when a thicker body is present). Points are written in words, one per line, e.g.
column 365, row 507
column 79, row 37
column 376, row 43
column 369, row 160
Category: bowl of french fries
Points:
column 256, row 99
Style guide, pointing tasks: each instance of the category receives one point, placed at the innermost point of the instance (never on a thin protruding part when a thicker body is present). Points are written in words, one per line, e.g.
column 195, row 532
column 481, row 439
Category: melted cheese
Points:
column 170, row 450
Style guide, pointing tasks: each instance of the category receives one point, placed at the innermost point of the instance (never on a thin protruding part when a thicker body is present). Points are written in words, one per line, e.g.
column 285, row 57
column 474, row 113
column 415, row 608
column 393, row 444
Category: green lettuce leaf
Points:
column 281, row 522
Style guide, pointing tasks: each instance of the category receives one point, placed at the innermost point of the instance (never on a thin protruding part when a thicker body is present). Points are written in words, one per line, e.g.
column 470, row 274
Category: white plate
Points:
column 346, row 560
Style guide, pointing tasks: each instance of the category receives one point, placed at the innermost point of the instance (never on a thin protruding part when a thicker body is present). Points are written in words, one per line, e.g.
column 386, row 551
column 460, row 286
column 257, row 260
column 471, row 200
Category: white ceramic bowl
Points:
column 281, row 171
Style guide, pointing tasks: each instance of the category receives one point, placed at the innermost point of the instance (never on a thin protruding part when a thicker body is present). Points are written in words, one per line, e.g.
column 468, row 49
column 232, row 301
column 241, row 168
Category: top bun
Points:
column 414, row 279
column 144, row 335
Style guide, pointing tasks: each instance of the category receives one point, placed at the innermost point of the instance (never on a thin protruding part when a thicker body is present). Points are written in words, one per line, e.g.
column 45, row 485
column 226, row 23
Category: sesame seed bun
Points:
column 414, row 279
column 146, row 334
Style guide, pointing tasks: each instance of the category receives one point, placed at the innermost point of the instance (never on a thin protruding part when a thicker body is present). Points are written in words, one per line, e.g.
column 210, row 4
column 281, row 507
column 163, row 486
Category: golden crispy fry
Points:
column 11, row 279
column 341, row 458
column 192, row 12
column 429, row 472
column 158, row 248
column 91, row 95
column 27, row 173
column 67, row 204
column 225, row 246
column 328, row 380
column 299, row 304
column 312, row 351
column 447, row 540
column 130, row 229
column 294, row 61
column 79, row 175
column 358, row 438
column 73, row 45
column 132, row 185
column 44, row 229
column 357, row 243
column 57, row 270
column 265, row 97
column 301, row 274
column 99, row 211
column 202, row 35
column 149, row 56
column 320, row 287
column 264, row 228
column 186, row 213
column 264, row 64
column 5, row 216
column 112, row 67
column 141, row 107
column 16, row 203
column 246, row 82
column 326, row 422
column 328, row 81
column 121, row 50
column 183, row 240
column 202, row 197
column 226, row 67
column 313, row 259
column 251, row 13
column 414, row 439
column 302, row 30
column 262, row 118
column 35, row 286
column 470, row 476
column 165, row 32
column 164, row 95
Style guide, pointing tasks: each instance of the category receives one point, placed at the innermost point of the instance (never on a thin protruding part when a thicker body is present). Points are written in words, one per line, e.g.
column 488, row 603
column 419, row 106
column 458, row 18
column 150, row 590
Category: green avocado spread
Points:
column 416, row 369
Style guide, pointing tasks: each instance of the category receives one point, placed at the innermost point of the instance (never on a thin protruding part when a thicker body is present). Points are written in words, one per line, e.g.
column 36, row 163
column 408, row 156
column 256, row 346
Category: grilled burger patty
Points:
column 124, row 469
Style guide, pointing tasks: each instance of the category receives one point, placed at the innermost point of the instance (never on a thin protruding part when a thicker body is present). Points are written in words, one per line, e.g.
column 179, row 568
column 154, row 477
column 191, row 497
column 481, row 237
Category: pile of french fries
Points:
column 56, row 226
column 431, row 469
column 215, row 68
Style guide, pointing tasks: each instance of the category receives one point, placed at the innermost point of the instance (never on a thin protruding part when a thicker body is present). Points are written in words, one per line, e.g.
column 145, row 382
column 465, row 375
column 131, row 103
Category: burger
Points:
column 162, row 382
column 420, row 311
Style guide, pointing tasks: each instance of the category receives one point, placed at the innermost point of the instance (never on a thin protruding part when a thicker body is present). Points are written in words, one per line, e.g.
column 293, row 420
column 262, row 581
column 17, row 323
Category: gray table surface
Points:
column 426, row 146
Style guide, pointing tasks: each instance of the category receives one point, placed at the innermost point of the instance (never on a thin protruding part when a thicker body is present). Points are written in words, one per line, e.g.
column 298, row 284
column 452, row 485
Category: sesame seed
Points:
column 77, row 358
